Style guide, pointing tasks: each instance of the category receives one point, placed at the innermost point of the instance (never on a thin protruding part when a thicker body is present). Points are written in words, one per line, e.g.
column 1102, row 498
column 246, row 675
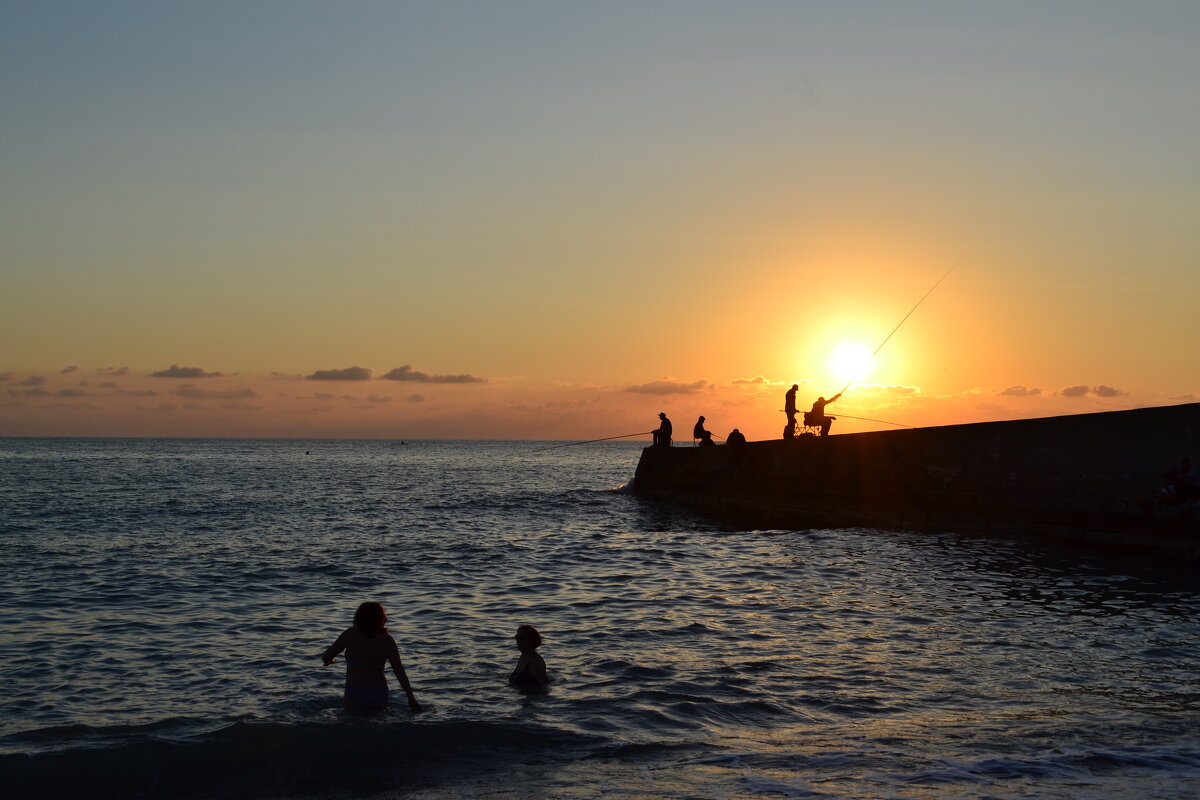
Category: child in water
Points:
column 531, row 667
column 369, row 647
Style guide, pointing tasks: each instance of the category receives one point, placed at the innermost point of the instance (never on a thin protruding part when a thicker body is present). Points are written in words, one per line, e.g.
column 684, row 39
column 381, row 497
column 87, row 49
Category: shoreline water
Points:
column 164, row 607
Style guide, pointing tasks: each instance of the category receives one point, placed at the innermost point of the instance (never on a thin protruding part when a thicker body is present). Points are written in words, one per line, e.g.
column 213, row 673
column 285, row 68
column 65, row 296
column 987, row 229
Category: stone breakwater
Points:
column 1088, row 477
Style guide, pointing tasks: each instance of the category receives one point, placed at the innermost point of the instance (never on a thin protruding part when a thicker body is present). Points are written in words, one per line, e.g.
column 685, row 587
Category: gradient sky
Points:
column 555, row 219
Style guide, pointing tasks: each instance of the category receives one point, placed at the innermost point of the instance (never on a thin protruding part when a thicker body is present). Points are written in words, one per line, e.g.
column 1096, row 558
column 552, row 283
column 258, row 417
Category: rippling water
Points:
column 164, row 604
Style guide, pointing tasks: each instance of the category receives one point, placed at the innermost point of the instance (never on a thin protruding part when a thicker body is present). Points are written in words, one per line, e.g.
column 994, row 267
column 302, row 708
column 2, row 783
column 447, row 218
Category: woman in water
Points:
column 368, row 648
column 531, row 667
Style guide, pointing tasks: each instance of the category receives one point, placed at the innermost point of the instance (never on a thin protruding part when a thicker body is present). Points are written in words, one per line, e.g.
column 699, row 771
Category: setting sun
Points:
column 850, row 361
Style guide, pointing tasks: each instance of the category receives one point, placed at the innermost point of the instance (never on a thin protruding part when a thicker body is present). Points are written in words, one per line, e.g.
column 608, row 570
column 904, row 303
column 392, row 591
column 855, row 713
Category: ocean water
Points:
column 163, row 605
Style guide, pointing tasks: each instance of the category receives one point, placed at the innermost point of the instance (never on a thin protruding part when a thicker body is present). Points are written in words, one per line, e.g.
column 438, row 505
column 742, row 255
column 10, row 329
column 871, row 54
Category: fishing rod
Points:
column 589, row 441
column 893, row 333
column 868, row 419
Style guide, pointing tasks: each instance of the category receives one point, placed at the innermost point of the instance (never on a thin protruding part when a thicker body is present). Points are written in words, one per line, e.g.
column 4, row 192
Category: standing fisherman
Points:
column 789, row 408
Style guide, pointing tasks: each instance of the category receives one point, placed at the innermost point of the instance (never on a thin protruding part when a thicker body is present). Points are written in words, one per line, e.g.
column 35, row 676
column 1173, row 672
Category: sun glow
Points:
column 850, row 361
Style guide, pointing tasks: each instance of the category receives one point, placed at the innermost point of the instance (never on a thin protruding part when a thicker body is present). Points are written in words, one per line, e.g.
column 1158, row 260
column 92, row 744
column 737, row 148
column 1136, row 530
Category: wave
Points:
column 247, row 759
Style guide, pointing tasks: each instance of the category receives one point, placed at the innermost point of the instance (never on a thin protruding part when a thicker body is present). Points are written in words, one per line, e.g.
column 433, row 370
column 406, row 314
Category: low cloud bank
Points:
column 1095, row 391
column 176, row 371
column 196, row 393
column 347, row 374
column 1020, row 391
column 407, row 373
column 668, row 386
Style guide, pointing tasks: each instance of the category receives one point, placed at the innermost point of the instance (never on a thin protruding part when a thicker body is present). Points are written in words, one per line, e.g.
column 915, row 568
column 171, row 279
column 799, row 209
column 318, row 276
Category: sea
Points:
column 164, row 604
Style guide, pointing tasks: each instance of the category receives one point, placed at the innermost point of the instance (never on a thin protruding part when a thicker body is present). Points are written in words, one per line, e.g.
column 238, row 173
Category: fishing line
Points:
column 589, row 441
column 893, row 333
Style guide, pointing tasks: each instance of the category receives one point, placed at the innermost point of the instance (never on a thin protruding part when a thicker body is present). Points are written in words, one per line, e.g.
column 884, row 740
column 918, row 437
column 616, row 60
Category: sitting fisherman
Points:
column 735, row 437
column 817, row 415
column 706, row 439
column 698, row 431
column 662, row 434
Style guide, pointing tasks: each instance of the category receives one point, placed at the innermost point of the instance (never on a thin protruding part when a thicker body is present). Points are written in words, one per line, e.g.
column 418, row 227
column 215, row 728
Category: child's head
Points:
column 528, row 638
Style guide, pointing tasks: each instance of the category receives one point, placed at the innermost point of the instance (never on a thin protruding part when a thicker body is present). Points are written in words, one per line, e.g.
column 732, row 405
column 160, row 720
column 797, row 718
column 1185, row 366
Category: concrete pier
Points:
column 1088, row 477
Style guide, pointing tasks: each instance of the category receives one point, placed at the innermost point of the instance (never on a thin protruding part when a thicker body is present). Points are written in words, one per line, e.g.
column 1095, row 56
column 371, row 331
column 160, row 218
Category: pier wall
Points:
column 1089, row 475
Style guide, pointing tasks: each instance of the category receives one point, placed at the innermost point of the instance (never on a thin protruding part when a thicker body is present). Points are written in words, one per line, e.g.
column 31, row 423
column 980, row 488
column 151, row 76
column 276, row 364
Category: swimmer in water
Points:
column 369, row 647
column 530, row 671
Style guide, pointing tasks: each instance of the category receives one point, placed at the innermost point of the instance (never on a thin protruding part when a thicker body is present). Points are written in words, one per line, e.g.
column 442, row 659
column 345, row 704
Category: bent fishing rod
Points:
column 589, row 441
column 893, row 333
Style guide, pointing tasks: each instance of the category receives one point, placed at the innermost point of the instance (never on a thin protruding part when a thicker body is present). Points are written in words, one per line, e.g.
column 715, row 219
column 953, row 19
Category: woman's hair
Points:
column 370, row 619
column 533, row 634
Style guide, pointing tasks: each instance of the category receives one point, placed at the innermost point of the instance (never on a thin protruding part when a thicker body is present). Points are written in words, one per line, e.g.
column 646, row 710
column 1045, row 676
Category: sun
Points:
column 850, row 361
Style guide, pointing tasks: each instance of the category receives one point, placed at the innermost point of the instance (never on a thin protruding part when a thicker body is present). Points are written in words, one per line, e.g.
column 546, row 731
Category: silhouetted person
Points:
column 369, row 647
column 735, row 437
column 789, row 408
column 817, row 415
column 698, row 431
column 706, row 440
column 530, row 671
column 662, row 435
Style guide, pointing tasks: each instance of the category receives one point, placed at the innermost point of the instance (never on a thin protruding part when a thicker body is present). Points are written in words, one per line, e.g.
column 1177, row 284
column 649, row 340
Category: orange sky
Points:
column 565, row 221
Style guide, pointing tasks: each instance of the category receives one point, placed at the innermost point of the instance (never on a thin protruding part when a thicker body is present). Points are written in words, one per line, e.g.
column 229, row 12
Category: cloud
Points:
column 68, row 370
column 407, row 373
column 33, row 380
column 6, row 377
column 378, row 398
column 347, row 374
column 196, row 393
column 114, row 371
column 887, row 388
column 176, row 371
column 37, row 391
column 757, row 380
column 1020, row 391
column 415, row 398
column 1095, row 391
column 668, row 386
column 72, row 393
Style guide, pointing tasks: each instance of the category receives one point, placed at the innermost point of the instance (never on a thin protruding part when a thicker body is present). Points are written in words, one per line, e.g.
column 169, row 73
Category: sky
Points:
column 552, row 220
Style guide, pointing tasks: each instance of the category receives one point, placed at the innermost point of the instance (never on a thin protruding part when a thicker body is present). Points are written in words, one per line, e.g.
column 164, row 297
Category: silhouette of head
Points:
column 820, row 399
column 527, row 634
column 370, row 619
column 662, row 415
column 702, row 419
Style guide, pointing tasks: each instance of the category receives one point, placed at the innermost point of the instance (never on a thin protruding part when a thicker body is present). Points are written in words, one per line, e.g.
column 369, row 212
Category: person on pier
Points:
column 662, row 434
column 698, row 431
column 736, row 438
column 817, row 415
column 789, row 408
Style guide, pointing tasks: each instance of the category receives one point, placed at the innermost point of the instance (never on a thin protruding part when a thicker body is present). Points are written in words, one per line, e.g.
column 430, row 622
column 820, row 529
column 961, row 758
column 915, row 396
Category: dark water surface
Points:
column 163, row 605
